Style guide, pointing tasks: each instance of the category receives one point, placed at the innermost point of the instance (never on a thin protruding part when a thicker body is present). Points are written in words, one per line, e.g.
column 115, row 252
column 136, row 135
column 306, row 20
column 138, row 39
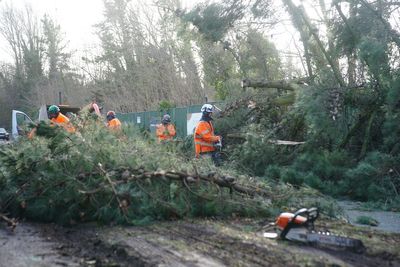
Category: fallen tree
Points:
column 102, row 176
column 289, row 85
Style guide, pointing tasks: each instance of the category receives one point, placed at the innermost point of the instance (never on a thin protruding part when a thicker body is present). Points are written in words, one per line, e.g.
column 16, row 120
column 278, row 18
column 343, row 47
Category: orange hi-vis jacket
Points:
column 204, row 138
column 114, row 124
column 64, row 122
column 165, row 132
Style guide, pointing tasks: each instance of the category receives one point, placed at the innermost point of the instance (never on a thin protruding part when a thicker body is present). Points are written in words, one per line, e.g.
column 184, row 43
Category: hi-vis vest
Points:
column 165, row 132
column 114, row 124
column 204, row 138
column 64, row 122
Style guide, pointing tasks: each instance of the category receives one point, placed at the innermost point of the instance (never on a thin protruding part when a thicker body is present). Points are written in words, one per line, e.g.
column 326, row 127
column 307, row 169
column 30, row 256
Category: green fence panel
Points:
column 149, row 119
column 123, row 117
column 152, row 119
column 180, row 121
column 140, row 119
column 194, row 108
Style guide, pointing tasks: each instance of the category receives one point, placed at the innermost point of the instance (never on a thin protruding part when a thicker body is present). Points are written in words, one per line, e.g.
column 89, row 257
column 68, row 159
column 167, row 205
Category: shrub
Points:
column 370, row 180
column 326, row 165
column 366, row 220
column 313, row 180
column 292, row 176
column 273, row 172
column 255, row 155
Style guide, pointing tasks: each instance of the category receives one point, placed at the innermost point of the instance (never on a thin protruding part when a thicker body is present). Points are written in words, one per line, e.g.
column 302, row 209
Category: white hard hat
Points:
column 207, row 108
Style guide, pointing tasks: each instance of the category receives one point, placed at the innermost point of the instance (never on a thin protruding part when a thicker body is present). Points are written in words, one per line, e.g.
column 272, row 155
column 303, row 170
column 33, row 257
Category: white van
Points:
column 20, row 121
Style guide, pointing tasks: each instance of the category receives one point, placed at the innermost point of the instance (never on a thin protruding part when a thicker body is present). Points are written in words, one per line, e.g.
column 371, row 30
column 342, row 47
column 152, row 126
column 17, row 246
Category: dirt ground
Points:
column 184, row 243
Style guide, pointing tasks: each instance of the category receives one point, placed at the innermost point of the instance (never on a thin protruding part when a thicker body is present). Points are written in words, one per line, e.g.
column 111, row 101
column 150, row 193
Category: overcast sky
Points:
column 76, row 18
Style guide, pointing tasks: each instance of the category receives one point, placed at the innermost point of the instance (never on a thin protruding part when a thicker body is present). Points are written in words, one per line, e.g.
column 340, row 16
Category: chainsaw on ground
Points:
column 300, row 227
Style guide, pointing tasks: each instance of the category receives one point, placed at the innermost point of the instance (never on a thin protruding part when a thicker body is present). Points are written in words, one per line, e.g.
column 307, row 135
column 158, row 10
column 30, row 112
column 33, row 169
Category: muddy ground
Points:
column 184, row 243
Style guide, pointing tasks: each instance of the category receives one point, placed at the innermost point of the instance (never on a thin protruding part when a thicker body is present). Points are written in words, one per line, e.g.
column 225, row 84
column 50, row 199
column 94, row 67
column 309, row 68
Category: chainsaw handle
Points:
column 299, row 212
column 291, row 223
column 311, row 214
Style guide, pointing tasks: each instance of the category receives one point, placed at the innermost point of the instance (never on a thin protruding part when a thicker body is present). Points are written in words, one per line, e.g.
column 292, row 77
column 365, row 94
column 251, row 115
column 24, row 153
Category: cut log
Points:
column 285, row 143
column 11, row 222
column 275, row 142
column 290, row 85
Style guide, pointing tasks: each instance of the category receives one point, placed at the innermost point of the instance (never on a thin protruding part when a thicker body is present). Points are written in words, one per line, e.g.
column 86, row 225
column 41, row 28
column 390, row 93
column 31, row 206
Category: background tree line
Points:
column 145, row 57
column 338, row 89
column 149, row 52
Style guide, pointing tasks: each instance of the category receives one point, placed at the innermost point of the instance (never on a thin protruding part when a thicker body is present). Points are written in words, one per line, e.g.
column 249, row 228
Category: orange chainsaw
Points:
column 299, row 226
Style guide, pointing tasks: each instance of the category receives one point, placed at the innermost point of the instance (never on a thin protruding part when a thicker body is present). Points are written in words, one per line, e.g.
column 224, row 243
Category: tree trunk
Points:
column 300, row 20
column 290, row 85
column 351, row 57
column 331, row 62
column 367, row 135
column 293, row 11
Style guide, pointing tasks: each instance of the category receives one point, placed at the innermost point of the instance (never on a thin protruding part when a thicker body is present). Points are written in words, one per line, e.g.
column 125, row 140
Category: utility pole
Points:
column 59, row 98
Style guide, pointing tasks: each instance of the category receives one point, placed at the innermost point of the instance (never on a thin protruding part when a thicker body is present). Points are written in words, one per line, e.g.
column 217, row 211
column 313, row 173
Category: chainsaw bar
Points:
column 324, row 239
column 300, row 227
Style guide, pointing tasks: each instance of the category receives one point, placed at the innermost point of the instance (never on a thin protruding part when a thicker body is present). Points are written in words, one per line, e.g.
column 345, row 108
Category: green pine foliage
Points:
column 128, row 178
column 106, row 177
column 391, row 127
column 215, row 19
column 352, row 152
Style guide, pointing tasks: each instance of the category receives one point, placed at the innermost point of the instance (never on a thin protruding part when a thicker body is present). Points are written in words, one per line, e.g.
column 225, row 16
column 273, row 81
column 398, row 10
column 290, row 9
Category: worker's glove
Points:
column 218, row 144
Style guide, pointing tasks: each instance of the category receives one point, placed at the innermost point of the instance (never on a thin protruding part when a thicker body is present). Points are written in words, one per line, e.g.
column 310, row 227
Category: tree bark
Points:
column 367, row 135
column 303, row 21
column 351, row 58
column 331, row 62
column 290, row 85
column 303, row 34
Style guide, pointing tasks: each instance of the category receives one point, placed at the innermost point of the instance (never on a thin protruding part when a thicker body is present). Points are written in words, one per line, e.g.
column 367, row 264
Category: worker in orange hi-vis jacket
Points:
column 112, row 122
column 165, row 130
column 204, row 137
column 56, row 117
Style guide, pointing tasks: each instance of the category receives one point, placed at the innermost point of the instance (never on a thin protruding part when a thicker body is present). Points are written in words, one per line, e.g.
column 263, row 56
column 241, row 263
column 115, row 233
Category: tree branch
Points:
column 11, row 222
column 395, row 35
column 313, row 32
column 290, row 85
